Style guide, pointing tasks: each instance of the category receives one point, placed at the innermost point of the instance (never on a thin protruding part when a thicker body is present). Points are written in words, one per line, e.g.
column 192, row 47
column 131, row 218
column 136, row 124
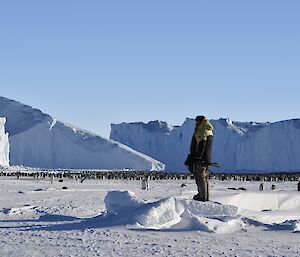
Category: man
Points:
column 199, row 158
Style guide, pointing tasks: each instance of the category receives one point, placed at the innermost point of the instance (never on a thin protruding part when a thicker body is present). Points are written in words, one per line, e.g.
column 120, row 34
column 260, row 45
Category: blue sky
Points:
column 93, row 63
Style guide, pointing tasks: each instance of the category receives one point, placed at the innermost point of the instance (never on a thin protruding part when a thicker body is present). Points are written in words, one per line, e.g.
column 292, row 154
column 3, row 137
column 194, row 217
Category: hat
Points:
column 199, row 118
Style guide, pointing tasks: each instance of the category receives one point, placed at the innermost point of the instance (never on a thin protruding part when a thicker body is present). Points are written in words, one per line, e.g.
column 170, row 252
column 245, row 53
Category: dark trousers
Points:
column 201, row 175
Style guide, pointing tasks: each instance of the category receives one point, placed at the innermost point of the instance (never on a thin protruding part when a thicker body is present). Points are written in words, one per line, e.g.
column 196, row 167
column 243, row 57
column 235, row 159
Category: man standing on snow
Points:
column 199, row 158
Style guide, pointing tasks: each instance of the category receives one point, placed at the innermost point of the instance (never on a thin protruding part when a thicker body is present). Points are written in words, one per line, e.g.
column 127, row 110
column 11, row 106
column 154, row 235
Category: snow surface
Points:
column 237, row 146
column 4, row 144
column 117, row 218
column 39, row 140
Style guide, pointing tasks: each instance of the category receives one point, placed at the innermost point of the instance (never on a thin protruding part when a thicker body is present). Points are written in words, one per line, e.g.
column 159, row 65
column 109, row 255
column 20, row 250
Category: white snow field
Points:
column 4, row 144
column 237, row 146
column 118, row 218
column 39, row 140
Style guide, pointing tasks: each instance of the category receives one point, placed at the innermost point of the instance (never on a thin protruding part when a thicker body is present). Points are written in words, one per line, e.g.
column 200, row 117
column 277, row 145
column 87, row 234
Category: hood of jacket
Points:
column 203, row 130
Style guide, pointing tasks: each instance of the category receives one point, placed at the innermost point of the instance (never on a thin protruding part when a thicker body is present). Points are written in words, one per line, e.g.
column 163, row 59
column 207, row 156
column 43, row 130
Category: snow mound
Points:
column 172, row 214
column 118, row 201
column 265, row 201
column 20, row 210
column 4, row 144
column 296, row 226
column 273, row 210
column 238, row 212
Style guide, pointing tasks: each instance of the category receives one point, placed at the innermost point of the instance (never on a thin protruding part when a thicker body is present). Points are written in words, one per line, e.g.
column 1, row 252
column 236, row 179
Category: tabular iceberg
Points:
column 39, row 140
column 238, row 146
column 4, row 144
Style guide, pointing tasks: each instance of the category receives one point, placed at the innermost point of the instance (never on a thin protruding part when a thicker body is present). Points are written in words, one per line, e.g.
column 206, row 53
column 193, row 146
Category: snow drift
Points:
column 265, row 207
column 238, row 146
column 235, row 212
column 4, row 144
column 39, row 140
column 171, row 214
column 262, row 201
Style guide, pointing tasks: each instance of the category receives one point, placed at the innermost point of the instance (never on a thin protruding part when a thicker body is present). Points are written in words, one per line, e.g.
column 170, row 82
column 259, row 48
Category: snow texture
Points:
column 4, row 144
column 113, row 218
column 169, row 213
column 39, row 140
column 237, row 146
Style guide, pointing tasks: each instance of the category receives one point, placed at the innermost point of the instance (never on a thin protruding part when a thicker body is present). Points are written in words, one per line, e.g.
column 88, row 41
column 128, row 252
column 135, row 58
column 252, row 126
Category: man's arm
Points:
column 200, row 150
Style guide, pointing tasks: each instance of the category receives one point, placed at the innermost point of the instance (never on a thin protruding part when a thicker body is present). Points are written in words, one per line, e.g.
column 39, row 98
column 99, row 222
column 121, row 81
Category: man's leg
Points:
column 207, row 185
column 205, row 178
column 200, row 173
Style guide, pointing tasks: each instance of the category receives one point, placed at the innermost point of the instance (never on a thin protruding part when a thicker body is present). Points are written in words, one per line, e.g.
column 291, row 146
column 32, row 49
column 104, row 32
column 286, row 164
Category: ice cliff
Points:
column 238, row 146
column 39, row 140
column 4, row 144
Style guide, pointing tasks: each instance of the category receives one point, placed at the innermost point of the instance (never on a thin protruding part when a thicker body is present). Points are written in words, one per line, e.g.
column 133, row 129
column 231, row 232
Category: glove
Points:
column 189, row 162
column 191, row 169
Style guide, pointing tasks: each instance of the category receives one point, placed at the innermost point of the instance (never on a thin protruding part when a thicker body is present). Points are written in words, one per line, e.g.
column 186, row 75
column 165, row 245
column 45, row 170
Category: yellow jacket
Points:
column 203, row 130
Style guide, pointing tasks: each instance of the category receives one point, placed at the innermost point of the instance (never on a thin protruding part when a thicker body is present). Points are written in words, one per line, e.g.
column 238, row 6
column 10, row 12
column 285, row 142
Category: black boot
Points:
column 198, row 198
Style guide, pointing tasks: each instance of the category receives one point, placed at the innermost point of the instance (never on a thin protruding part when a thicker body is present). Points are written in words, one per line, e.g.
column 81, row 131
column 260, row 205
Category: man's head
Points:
column 199, row 119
